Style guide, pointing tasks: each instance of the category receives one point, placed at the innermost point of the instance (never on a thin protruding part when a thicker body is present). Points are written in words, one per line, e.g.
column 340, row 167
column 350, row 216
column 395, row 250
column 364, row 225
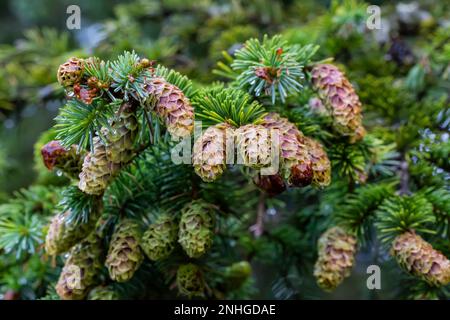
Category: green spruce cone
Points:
column 237, row 274
column 103, row 293
column 170, row 103
column 196, row 228
column 124, row 254
column 336, row 257
column 81, row 270
column 63, row 234
column 190, row 281
column 160, row 238
column 340, row 99
column 295, row 159
column 110, row 152
column 253, row 146
column 209, row 156
column 97, row 170
column 418, row 257
column 69, row 161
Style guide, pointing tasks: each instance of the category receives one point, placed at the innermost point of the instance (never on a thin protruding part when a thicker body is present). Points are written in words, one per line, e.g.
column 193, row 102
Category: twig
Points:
column 258, row 227
column 150, row 126
column 404, row 178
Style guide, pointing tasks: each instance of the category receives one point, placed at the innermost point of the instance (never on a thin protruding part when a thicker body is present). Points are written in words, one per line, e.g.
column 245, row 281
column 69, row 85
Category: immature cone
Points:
column 97, row 170
column 321, row 165
column 70, row 72
column 110, row 152
column 340, row 99
column 296, row 162
column 103, row 293
column 124, row 254
column 253, row 145
column 237, row 274
column 336, row 256
column 63, row 235
column 172, row 105
column 418, row 257
column 160, row 238
column 69, row 161
column 196, row 229
column 271, row 184
column 209, row 155
column 190, row 281
column 10, row 295
column 81, row 269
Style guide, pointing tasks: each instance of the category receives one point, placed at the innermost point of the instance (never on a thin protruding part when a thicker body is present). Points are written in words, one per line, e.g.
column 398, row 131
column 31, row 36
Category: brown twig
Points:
column 258, row 227
column 404, row 178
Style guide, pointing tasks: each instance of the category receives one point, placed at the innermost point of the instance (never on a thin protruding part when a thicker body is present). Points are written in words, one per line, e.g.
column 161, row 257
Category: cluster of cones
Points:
column 113, row 146
column 337, row 249
column 302, row 160
column 193, row 231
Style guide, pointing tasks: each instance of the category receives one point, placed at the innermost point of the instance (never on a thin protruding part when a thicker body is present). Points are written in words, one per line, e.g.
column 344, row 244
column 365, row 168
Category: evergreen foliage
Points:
column 156, row 210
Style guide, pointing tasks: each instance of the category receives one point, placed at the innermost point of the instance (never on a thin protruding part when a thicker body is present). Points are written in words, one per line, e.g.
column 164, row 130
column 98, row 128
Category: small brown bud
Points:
column 272, row 185
column 52, row 153
column 145, row 63
column 93, row 82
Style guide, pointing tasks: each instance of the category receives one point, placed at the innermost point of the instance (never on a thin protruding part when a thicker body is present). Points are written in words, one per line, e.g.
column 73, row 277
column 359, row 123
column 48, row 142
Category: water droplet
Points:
column 439, row 170
column 9, row 123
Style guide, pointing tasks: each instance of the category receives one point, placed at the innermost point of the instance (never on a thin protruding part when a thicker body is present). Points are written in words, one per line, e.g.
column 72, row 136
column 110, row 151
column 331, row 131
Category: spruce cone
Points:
column 81, row 269
column 63, row 235
column 336, row 256
column 253, row 145
column 124, row 254
column 172, row 105
column 11, row 295
column 69, row 161
column 340, row 98
column 103, row 293
column 110, row 153
column 237, row 274
column 196, row 229
column 159, row 240
column 272, row 185
column 297, row 167
column 190, row 281
column 70, row 72
column 321, row 166
column 210, row 152
column 418, row 257
column 97, row 170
